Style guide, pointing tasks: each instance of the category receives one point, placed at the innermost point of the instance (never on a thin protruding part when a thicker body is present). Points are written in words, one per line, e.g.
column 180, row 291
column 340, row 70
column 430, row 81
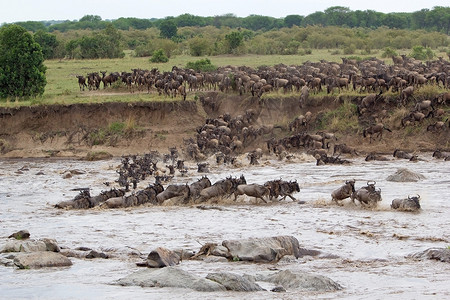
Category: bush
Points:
column 350, row 49
column 159, row 57
column 421, row 53
column 201, row 65
column 389, row 52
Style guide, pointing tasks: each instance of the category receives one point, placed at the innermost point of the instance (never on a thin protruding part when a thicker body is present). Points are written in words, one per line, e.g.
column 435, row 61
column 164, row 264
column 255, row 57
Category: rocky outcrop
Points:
column 268, row 249
column 13, row 245
column 234, row 282
column 175, row 277
column 405, row 175
column 300, row 281
column 41, row 259
column 162, row 257
column 440, row 254
column 170, row 277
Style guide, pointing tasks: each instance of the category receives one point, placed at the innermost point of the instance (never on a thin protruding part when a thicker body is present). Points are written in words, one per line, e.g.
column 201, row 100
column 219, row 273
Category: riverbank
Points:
column 117, row 128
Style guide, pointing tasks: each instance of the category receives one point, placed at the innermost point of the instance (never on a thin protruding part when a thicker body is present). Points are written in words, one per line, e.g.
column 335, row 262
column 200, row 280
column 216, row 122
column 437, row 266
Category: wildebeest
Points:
column 196, row 187
column 439, row 155
column 344, row 149
column 374, row 156
column 282, row 188
column 224, row 187
column 409, row 204
column 344, row 191
column 401, row 154
column 375, row 129
column 368, row 195
column 174, row 190
column 81, row 82
column 252, row 190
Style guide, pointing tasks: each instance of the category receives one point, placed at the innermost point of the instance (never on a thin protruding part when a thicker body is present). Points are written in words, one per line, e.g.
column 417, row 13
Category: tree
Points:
column 199, row 46
column 292, row 20
column 47, row 42
column 159, row 57
column 168, row 29
column 234, row 40
column 22, row 70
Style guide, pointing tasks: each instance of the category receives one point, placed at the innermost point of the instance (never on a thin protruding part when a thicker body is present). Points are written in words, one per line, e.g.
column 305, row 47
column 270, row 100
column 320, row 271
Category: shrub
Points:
column 350, row 49
column 159, row 57
column 421, row 53
column 204, row 65
column 389, row 52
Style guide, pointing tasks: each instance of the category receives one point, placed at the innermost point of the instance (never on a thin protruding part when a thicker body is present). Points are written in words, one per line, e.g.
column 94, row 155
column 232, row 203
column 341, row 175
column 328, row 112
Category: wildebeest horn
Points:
column 370, row 181
column 410, row 197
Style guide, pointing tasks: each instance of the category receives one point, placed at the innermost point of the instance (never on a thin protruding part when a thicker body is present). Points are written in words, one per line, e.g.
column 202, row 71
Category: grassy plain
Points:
column 62, row 86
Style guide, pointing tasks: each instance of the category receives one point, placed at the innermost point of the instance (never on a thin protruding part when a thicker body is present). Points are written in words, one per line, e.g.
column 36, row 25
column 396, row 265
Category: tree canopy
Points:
column 22, row 70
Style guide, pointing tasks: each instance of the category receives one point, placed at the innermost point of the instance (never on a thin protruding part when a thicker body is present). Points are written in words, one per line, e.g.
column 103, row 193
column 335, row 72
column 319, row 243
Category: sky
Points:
column 43, row 10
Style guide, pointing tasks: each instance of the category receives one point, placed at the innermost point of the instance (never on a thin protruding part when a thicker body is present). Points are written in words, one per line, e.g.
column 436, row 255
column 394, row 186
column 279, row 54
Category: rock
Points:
column 162, row 257
column 440, row 254
column 234, row 282
column 169, row 277
column 41, row 259
column 184, row 254
column 20, row 235
column 278, row 289
column 95, row 254
column 263, row 249
column 30, row 245
column 301, row 281
column 215, row 259
column 51, row 245
column 404, row 175
column 220, row 250
column 23, row 246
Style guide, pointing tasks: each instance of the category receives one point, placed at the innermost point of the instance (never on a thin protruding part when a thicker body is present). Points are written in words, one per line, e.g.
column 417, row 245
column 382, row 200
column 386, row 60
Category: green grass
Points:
column 342, row 119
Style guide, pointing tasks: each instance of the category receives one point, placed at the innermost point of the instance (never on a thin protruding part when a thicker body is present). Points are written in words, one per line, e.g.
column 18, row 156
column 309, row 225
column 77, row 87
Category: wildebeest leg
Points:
column 262, row 199
column 292, row 197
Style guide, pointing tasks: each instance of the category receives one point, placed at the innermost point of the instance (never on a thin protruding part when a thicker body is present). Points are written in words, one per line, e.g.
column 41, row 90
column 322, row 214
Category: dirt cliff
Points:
column 132, row 128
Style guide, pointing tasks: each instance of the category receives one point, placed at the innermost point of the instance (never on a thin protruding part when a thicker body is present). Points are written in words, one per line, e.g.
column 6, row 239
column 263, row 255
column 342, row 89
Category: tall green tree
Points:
column 22, row 70
column 48, row 43
column 234, row 40
column 168, row 28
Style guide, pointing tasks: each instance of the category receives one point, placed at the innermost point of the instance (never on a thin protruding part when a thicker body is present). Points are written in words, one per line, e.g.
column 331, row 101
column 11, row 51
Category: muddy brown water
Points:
column 363, row 250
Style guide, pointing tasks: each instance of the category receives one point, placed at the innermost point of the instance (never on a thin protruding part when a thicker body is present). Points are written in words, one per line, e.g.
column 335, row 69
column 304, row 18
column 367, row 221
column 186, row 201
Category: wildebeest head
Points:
column 351, row 183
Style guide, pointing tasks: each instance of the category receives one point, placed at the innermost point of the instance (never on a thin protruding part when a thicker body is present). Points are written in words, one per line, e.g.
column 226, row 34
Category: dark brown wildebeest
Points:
column 81, row 82
column 375, row 129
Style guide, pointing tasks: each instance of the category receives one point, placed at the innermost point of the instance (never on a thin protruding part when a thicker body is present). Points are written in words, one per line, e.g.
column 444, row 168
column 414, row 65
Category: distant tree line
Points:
column 335, row 28
column 436, row 19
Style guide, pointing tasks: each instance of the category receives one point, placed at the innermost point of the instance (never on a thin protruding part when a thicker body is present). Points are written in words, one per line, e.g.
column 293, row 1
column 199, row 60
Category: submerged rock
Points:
column 440, row 254
column 234, row 282
column 404, row 175
column 170, row 277
column 301, row 281
column 263, row 249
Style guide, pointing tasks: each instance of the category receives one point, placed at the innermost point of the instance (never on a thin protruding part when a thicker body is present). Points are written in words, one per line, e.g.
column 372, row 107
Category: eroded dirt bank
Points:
column 132, row 128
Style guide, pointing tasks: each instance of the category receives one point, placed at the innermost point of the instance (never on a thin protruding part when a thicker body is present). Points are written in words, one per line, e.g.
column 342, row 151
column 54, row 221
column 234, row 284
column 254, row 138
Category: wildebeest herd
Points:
column 227, row 136
column 366, row 76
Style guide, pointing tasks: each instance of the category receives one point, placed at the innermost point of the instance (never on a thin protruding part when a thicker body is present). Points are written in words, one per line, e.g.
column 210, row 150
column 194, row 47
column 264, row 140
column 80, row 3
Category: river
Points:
column 368, row 247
